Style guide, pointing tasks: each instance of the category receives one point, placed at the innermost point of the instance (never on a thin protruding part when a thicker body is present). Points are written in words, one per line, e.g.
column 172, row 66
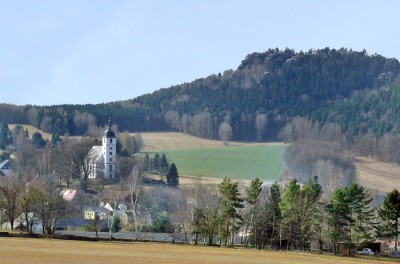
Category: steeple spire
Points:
column 109, row 133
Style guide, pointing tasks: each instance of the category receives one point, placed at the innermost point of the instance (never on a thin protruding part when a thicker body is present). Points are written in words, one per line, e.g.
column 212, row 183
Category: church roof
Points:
column 5, row 165
column 109, row 133
column 96, row 154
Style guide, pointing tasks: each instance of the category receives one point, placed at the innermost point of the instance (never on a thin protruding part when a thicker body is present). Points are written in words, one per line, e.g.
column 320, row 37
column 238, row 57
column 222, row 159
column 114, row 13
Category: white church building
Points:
column 103, row 159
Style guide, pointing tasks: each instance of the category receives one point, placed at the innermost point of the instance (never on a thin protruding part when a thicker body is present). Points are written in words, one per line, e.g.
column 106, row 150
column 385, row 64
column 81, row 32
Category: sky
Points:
column 86, row 52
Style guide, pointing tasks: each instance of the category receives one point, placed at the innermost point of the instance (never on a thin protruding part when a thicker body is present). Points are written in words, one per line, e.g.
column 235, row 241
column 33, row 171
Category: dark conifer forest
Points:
column 358, row 91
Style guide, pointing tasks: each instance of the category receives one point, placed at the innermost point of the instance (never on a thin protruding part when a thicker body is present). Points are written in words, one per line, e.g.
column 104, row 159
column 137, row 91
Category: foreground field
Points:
column 22, row 250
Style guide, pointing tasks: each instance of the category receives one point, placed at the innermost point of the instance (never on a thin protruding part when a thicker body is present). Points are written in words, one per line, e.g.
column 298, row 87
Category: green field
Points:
column 239, row 162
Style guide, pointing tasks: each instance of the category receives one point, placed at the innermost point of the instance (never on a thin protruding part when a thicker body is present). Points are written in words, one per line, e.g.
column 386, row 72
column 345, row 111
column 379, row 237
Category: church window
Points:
column 110, row 153
column 110, row 168
column 110, row 159
column 110, row 140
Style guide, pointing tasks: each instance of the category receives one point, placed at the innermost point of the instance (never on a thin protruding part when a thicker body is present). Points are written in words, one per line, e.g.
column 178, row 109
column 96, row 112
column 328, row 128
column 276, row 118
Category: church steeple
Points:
column 109, row 152
column 109, row 133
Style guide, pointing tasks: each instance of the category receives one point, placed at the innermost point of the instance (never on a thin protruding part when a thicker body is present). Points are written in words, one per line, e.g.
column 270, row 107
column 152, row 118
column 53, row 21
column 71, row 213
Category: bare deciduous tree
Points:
column 205, row 199
column 261, row 123
column 225, row 132
column 134, row 185
column 78, row 160
column 173, row 119
column 50, row 205
column 10, row 191
column 82, row 121
column 201, row 125
column 182, row 213
column 128, row 143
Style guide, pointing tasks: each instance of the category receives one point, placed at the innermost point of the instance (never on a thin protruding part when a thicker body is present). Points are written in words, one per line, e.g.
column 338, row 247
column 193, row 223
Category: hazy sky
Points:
column 78, row 52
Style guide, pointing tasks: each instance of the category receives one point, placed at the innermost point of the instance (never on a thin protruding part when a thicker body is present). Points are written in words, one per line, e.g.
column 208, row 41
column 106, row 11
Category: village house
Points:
column 5, row 168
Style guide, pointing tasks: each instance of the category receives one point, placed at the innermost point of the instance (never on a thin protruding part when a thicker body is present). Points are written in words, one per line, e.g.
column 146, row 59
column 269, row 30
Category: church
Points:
column 103, row 159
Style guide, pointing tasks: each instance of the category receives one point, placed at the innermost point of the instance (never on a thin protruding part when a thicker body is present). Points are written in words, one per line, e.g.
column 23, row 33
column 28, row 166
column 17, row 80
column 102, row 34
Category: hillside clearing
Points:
column 25, row 250
column 31, row 131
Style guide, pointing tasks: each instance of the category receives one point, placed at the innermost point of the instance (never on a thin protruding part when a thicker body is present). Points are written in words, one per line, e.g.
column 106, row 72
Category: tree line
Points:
column 289, row 216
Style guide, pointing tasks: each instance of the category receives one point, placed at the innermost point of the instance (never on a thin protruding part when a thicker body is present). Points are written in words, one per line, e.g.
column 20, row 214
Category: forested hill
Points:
column 255, row 101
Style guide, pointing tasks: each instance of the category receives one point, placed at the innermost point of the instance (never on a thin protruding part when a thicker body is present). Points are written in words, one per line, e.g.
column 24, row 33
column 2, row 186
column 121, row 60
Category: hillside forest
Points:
column 358, row 91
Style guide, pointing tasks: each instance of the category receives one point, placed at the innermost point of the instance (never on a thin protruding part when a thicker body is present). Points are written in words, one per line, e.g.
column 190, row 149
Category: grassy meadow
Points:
column 211, row 159
column 33, row 251
column 239, row 162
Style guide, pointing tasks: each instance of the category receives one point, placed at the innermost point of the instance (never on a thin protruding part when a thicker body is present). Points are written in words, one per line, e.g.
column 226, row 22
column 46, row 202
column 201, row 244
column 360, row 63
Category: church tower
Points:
column 109, row 145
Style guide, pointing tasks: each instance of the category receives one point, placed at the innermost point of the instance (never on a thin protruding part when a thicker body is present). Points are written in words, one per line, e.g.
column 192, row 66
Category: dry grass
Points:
column 32, row 130
column 185, row 181
column 378, row 177
column 24, row 250
column 164, row 141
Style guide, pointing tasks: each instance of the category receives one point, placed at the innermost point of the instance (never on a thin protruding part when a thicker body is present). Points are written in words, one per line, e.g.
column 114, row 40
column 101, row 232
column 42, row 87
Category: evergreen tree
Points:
column 116, row 225
column 5, row 136
column 164, row 164
column 252, row 197
column 146, row 163
column 309, row 212
column 338, row 217
column 38, row 140
column 362, row 213
column 350, row 215
column 119, row 149
column 55, row 138
column 199, row 224
column 274, row 214
column 230, row 203
column 267, row 220
column 156, row 163
column 301, row 213
column 289, row 223
column 173, row 176
column 390, row 215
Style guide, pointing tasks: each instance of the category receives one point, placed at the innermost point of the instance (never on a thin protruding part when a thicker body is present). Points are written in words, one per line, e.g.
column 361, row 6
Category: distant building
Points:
column 5, row 167
column 68, row 194
column 103, row 159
